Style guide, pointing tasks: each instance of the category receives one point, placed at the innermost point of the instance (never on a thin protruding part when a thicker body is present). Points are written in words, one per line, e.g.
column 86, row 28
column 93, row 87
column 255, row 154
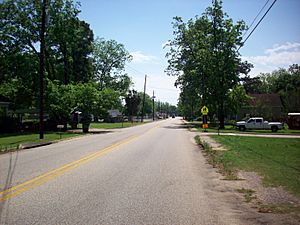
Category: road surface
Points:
column 149, row 174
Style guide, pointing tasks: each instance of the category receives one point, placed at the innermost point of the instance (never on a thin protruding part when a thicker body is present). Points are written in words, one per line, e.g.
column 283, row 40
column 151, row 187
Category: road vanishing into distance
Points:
column 148, row 174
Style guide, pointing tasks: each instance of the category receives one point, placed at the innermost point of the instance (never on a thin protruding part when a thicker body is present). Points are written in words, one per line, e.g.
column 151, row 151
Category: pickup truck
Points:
column 258, row 123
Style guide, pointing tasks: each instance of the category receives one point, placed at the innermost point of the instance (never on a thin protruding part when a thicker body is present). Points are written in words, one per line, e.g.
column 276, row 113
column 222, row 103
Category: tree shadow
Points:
column 13, row 159
column 177, row 127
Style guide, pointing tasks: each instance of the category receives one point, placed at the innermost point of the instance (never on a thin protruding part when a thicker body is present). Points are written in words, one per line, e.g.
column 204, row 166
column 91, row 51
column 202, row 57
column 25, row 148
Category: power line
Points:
column 256, row 17
column 135, row 69
column 258, row 23
column 165, row 89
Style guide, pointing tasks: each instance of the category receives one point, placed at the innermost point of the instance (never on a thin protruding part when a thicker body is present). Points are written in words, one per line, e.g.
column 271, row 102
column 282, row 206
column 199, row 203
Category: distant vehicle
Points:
column 258, row 123
column 294, row 121
column 173, row 116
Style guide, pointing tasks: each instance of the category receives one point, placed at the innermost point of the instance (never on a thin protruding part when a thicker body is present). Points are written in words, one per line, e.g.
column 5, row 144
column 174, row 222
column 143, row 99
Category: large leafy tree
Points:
column 237, row 99
column 285, row 82
column 69, row 43
column 68, row 47
column 204, row 56
column 133, row 101
column 148, row 103
column 68, row 39
column 110, row 58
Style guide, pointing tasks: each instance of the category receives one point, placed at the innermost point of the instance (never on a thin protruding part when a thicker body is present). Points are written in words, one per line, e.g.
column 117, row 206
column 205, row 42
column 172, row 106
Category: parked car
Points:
column 258, row 123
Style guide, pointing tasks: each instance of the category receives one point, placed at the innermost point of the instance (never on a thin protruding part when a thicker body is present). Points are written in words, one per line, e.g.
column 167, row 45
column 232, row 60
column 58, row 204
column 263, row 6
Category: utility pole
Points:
column 142, row 120
column 153, row 97
column 42, row 67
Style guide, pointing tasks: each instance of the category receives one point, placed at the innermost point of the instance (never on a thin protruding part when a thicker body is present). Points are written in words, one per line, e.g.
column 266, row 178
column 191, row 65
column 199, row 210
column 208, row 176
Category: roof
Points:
column 271, row 100
column 293, row 114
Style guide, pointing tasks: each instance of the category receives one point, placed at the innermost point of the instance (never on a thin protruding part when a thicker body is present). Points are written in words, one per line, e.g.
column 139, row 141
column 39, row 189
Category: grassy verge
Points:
column 114, row 125
column 276, row 160
column 213, row 128
column 13, row 141
column 214, row 158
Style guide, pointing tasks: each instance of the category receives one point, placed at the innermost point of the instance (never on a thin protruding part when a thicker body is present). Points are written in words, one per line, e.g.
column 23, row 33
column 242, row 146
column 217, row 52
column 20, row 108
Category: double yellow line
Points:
column 21, row 188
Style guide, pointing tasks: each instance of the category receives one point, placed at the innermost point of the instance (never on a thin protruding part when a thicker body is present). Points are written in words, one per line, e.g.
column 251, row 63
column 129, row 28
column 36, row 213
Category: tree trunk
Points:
column 221, row 115
column 66, row 80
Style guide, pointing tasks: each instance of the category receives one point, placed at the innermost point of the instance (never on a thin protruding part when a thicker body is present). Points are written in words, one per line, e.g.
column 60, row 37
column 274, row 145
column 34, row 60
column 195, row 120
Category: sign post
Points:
column 60, row 127
column 204, row 111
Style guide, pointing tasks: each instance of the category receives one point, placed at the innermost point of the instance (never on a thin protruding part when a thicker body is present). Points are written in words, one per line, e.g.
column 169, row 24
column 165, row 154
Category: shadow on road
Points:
column 176, row 126
column 13, row 159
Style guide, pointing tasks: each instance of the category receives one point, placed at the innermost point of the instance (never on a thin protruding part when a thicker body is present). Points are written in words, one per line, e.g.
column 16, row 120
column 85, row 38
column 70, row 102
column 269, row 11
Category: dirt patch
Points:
column 276, row 204
column 267, row 195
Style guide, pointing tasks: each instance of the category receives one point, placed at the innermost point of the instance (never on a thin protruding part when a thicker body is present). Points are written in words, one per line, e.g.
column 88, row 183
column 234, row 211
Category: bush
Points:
column 9, row 125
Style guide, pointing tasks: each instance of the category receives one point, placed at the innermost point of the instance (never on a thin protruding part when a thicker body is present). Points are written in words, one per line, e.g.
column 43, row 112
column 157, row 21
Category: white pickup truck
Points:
column 258, row 123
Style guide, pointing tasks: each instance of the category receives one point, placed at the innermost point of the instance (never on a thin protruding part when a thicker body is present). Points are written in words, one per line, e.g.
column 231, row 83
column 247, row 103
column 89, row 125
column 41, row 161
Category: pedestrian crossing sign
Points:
column 204, row 110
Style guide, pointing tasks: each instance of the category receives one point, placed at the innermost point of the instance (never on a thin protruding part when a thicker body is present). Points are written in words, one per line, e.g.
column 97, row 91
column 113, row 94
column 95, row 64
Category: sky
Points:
column 144, row 26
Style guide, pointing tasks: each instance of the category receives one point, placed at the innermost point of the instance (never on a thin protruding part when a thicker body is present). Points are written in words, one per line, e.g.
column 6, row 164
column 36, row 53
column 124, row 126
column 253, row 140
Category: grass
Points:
column 213, row 157
column 276, row 160
column 248, row 194
column 279, row 208
column 213, row 128
column 13, row 141
column 114, row 125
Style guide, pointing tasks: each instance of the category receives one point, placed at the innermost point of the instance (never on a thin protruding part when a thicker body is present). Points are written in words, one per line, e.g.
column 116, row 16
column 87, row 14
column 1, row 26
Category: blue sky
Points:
column 144, row 26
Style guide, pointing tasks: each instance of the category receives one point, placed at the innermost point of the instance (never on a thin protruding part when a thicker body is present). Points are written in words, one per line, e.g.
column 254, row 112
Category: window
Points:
column 258, row 120
column 251, row 121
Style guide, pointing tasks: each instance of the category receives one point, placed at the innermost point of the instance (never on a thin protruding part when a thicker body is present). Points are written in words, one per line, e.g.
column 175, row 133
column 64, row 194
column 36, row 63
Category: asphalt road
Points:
column 149, row 174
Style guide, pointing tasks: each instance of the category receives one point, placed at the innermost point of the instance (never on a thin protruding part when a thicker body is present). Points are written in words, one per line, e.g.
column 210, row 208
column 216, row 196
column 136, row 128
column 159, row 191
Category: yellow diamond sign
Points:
column 204, row 110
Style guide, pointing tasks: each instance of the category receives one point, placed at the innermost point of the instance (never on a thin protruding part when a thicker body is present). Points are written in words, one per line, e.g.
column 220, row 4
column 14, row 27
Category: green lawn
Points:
column 276, row 159
column 231, row 129
column 12, row 141
column 114, row 125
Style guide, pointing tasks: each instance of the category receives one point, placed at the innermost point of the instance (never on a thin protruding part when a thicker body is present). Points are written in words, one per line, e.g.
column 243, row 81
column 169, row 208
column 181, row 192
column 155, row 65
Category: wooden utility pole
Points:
column 143, row 109
column 42, row 67
column 153, row 97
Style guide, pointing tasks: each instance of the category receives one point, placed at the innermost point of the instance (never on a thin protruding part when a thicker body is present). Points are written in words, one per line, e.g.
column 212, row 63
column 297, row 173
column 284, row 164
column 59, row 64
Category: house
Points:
column 268, row 106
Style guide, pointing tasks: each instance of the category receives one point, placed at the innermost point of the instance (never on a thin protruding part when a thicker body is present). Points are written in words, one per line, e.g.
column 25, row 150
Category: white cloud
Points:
column 139, row 57
column 275, row 57
column 288, row 46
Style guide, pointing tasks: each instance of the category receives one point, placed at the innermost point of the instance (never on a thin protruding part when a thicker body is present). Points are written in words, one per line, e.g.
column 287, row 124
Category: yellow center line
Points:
column 18, row 189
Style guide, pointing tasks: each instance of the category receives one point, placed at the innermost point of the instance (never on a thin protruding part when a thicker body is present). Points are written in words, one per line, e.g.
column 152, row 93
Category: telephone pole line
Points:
column 143, row 109
column 153, row 97
column 42, row 67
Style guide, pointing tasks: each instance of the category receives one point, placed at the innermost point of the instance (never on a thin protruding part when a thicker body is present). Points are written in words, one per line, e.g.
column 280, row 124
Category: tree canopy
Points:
column 204, row 56
column 110, row 58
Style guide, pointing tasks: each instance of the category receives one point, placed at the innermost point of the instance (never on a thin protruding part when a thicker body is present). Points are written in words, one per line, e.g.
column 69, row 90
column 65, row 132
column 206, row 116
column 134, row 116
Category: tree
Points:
column 148, row 103
column 286, row 83
column 204, row 56
column 110, row 58
column 133, row 101
column 70, row 42
column 108, row 99
column 68, row 49
column 238, row 98
column 61, row 101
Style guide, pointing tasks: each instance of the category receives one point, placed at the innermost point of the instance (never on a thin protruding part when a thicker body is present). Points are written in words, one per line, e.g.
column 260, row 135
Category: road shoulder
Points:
column 275, row 201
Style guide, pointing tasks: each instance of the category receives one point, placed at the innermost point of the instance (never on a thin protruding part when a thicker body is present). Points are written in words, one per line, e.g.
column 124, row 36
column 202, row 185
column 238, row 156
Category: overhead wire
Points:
column 135, row 70
column 258, row 23
column 256, row 17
